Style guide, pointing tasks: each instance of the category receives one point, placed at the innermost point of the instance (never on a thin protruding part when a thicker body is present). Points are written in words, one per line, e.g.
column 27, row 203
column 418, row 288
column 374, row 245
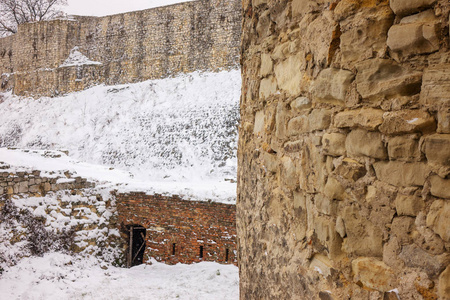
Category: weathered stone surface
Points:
column 407, row 121
column 332, row 85
column 374, row 274
column 414, row 36
column 363, row 238
column 444, row 284
column 334, row 189
column 288, row 75
column 438, row 218
column 378, row 78
column 363, row 34
column 401, row 228
column 267, row 87
column 404, row 148
column 289, row 174
column 271, row 162
column 436, row 86
column 402, row 174
column 440, row 187
column 334, row 144
column 350, row 169
column 367, row 118
column 443, row 118
column 436, row 148
column 414, row 257
column 326, row 233
column 300, row 104
column 259, row 122
column 319, row 119
column 301, row 7
column 408, row 205
column 408, row 7
column 364, row 143
column 266, row 65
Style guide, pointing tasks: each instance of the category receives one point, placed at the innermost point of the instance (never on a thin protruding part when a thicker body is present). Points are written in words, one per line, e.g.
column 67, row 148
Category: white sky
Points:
column 109, row 7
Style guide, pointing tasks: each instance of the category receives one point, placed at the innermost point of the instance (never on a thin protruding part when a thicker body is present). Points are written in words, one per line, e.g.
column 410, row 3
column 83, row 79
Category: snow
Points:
column 60, row 276
column 170, row 136
column 76, row 58
column 108, row 7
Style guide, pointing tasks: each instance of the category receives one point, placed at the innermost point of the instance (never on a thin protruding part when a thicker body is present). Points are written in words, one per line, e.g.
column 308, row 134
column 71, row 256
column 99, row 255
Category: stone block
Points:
column 408, row 7
column 407, row 121
column 409, row 205
column 364, row 143
column 289, row 176
column 280, row 121
column 271, row 162
column 436, row 148
column 267, row 87
column 404, row 148
column 332, row 85
column 300, row 104
column 415, row 257
column 350, row 169
column 402, row 228
column 334, row 189
column 440, row 187
column 319, row 119
column 23, row 187
column 334, row 144
column 301, row 7
column 374, row 274
column 435, row 90
column 414, row 37
column 327, row 235
column 257, row 3
column 378, row 78
column 364, row 34
column 438, row 218
column 443, row 118
column 266, row 65
column 325, row 205
column 258, row 128
column 444, row 284
column 289, row 75
column 402, row 174
column 363, row 238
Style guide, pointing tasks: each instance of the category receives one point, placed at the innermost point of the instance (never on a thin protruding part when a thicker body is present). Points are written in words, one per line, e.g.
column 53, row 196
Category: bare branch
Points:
column 15, row 12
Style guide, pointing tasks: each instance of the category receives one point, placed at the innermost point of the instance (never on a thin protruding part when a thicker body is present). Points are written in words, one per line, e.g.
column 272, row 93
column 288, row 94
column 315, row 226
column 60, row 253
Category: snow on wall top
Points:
column 76, row 58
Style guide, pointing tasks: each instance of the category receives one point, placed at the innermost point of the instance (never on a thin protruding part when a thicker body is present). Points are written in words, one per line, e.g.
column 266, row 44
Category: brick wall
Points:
column 187, row 224
column 155, row 43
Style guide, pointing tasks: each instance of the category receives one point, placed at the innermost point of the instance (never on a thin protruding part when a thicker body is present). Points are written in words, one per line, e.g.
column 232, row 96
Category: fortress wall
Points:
column 344, row 161
column 136, row 46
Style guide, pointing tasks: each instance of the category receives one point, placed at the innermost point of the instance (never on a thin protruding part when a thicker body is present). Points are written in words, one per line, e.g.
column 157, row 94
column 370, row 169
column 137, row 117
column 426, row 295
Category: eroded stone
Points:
column 407, row 121
column 374, row 274
column 332, row 85
column 364, row 143
column 408, row 7
column 402, row 174
column 438, row 218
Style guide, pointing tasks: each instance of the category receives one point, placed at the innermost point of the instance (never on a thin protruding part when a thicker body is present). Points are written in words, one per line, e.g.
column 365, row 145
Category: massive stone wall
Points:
column 155, row 43
column 177, row 230
column 344, row 161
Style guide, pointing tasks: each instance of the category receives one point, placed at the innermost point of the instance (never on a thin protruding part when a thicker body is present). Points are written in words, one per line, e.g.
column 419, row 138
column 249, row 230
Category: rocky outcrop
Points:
column 343, row 180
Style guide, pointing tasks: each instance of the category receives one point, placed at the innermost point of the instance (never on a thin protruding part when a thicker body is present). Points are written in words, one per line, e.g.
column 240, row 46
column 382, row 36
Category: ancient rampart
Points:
column 56, row 57
column 344, row 161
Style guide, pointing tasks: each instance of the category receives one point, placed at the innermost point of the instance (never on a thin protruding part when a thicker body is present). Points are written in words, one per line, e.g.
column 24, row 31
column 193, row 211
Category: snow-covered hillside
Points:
column 177, row 133
column 59, row 276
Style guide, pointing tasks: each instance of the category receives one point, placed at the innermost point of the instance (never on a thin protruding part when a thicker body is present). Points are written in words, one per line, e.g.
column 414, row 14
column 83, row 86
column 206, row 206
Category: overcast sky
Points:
column 109, row 7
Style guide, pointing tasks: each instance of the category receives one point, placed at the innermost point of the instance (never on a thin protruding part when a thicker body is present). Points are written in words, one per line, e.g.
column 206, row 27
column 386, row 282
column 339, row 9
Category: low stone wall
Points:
column 189, row 225
column 41, row 214
column 344, row 161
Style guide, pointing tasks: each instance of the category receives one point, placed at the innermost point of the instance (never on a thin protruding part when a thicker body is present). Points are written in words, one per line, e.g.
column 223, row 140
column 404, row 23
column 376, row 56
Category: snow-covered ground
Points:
column 59, row 276
column 175, row 135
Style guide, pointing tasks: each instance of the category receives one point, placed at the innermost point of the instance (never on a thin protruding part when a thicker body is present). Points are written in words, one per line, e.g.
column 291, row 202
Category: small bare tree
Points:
column 15, row 12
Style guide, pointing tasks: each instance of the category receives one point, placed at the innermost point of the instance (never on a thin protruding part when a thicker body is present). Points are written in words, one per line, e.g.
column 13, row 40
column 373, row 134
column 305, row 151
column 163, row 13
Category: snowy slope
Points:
column 172, row 135
column 59, row 276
